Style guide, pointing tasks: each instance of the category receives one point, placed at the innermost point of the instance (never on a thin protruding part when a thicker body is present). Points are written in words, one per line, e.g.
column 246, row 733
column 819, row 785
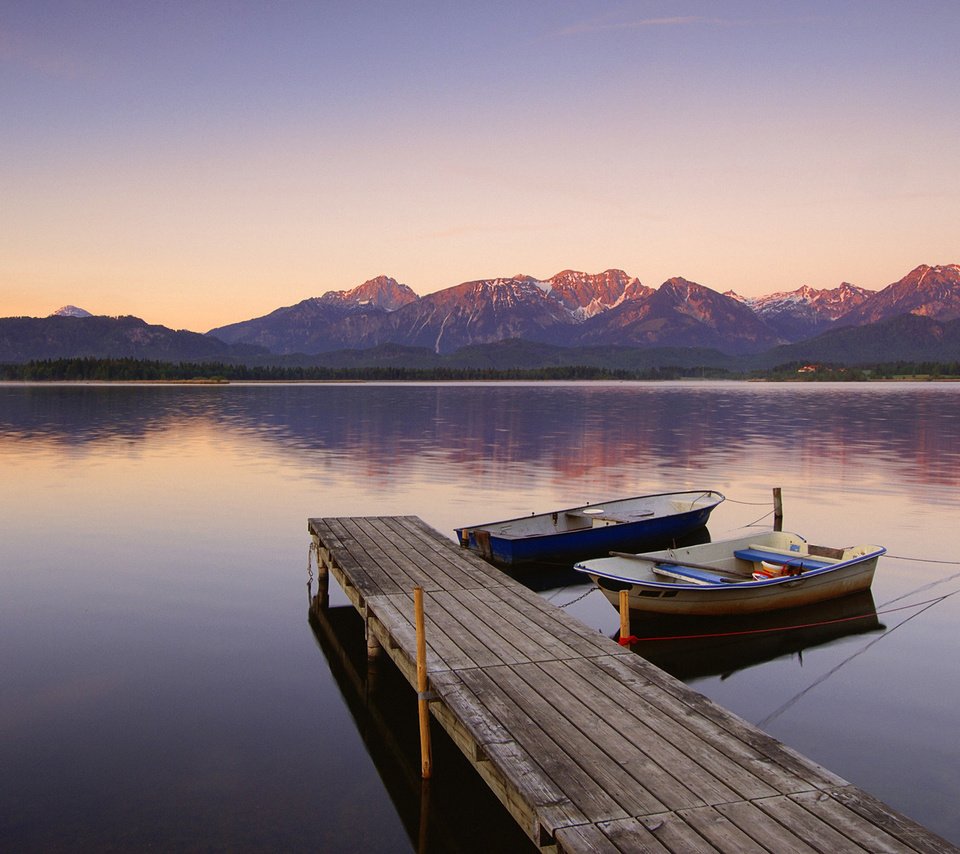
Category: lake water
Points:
column 164, row 686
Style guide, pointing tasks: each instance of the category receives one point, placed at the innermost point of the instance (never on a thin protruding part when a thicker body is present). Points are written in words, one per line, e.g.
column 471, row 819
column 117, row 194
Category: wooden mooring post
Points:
column 777, row 509
column 422, row 699
column 624, row 615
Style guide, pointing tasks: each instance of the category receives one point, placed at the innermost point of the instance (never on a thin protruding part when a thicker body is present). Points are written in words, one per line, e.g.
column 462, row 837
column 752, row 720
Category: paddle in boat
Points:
column 747, row 575
column 563, row 536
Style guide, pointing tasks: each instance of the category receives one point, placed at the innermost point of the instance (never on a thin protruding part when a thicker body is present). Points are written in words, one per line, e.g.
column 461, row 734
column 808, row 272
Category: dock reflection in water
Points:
column 696, row 647
column 454, row 810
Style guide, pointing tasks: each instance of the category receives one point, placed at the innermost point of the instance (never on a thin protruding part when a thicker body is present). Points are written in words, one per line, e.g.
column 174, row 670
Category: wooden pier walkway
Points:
column 590, row 747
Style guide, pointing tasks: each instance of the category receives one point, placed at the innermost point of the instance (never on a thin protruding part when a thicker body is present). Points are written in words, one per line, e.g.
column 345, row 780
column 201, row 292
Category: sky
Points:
column 201, row 163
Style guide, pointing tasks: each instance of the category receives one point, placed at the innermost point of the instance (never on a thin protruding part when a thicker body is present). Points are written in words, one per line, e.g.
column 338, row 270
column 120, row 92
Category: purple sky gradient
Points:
column 197, row 164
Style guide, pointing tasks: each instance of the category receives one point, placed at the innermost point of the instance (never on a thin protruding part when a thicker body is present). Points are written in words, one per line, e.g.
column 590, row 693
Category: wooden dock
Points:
column 590, row 747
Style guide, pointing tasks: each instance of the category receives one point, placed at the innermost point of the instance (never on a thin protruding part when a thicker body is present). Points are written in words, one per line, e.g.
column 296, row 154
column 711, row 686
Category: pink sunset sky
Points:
column 201, row 163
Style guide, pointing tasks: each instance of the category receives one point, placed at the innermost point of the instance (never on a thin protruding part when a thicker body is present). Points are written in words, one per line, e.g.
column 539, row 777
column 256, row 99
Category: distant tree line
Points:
column 139, row 370
column 826, row 372
column 128, row 369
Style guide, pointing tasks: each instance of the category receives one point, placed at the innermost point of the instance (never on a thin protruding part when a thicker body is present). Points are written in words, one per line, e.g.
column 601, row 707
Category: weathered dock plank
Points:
column 638, row 740
column 741, row 743
column 589, row 747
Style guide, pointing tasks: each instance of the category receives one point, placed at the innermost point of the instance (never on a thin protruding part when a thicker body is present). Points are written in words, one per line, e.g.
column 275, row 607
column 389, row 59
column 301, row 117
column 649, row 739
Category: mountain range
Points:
column 575, row 309
column 588, row 312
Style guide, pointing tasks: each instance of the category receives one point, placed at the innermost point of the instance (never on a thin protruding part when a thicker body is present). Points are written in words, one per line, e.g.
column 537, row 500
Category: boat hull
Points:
column 741, row 599
column 715, row 579
column 565, row 547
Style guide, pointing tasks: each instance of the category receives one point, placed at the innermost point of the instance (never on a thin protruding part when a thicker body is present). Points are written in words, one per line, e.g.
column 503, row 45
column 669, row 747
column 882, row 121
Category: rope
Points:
column 924, row 560
column 592, row 589
column 928, row 603
column 749, row 503
column 777, row 712
column 310, row 571
column 923, row 587
column 749, row 524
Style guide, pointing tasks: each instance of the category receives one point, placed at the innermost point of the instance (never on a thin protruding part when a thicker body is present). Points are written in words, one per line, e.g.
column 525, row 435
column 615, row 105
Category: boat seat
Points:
column 610, row 517
column 606, row 517
column 689, row 573
column 796, row 560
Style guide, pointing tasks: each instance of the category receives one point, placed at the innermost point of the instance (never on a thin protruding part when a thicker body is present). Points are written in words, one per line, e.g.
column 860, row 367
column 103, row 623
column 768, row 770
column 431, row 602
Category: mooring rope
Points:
column 592, row 589
column 749, row 524
column 798, row 696
column 924, row 560
column 923, row 587
column 928, row 603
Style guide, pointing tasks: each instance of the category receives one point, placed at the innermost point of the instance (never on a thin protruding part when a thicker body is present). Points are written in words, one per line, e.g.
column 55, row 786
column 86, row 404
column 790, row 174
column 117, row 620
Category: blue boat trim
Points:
column 694, row 573
column 805, row 562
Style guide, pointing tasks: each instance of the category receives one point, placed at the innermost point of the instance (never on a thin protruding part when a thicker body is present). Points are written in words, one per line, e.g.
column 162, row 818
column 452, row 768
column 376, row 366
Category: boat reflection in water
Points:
column 454, row 810
column 696, row 647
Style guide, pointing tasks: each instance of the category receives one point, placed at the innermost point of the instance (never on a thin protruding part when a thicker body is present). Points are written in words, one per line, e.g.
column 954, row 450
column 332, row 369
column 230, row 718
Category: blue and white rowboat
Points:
column 563, row 536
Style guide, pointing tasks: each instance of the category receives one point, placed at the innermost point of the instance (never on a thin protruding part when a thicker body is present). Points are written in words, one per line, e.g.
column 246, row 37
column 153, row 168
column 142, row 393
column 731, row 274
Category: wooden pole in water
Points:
column 423, row 708
column 624, row 614
column 777, row 509
column 424, row 836
column 323, row 575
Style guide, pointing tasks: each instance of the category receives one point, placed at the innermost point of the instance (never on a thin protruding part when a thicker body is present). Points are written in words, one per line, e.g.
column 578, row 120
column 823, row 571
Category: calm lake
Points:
column 164, row 686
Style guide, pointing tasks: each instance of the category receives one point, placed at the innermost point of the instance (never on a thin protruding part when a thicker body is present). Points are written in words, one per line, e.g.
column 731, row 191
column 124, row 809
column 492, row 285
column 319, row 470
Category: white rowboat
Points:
column 747, row 575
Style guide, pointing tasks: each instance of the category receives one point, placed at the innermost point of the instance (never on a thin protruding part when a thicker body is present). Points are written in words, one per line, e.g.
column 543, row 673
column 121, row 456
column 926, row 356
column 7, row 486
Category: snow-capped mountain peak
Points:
column 71, row 311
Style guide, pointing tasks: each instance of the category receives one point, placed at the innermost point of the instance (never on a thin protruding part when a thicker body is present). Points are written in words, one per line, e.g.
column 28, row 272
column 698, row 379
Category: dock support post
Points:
column 423, row 708
column 624, row 614
column 777, row 509
column 373, row 645
column 319, row 601
column 323, row 574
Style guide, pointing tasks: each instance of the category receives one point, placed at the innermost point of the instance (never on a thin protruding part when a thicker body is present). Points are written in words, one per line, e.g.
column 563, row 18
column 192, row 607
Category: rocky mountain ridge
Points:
column 571, row 309
column 581, row 309
column 926, row 291
column 806, row 311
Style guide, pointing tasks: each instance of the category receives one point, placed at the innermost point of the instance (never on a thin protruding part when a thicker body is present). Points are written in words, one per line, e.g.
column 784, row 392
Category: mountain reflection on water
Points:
column 674, row 425
column 157, row 534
